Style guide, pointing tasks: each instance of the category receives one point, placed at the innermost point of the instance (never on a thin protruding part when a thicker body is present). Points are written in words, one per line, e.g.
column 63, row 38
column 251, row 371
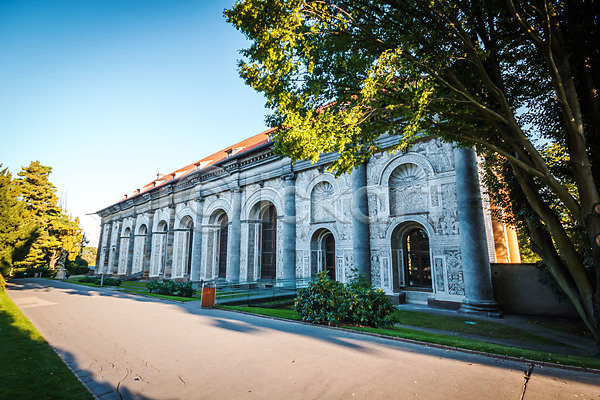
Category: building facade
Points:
column 413, row 223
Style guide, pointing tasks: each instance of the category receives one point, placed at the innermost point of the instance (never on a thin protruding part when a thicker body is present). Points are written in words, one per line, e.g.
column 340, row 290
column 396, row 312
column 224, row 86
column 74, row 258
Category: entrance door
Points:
column 223, row 246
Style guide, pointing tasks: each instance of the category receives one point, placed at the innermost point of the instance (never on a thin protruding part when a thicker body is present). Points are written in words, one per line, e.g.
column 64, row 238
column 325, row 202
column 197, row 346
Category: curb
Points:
column 433, row 345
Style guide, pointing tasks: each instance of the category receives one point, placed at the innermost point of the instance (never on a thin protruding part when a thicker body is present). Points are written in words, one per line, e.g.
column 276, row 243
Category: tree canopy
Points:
column 516, row 80
column 33, row 227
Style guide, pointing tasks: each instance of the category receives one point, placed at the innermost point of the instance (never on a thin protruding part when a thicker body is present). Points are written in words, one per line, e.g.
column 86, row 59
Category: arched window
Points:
column 323, row 253
column 416, row 258
column 268, row 243
column 223, row 235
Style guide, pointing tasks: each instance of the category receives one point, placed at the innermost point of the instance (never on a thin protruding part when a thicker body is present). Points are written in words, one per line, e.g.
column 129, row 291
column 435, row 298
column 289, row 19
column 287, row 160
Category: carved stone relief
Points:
column 456, row 283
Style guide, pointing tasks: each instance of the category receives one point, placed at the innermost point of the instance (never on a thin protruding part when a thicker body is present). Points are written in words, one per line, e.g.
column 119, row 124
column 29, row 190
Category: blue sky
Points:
column 109, row 93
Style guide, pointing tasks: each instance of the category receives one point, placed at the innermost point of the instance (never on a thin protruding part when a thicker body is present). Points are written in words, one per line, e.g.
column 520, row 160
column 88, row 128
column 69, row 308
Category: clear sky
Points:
column 108, row 93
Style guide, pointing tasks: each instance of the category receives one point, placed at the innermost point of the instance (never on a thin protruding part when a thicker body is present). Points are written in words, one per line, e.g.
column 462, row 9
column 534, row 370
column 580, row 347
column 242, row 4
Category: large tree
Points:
column 56, row 230
column 511, row 78
column 16, row 232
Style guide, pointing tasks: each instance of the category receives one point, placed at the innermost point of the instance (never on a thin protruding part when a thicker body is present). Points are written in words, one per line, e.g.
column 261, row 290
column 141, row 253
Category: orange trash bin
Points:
column 208, row 296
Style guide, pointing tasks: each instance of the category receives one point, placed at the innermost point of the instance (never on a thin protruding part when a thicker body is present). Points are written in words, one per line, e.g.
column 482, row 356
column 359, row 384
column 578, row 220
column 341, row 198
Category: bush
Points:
column 77, row 267
column 171, row 288
column 325, row 301
column 2, row 283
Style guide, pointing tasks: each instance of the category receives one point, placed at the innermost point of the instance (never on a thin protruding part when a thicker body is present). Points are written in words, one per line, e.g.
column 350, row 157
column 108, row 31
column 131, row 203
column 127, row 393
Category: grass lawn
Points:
column 137, row 288
column 451, row 324
column 29, row 368
column 470, row 326
column 571, row 326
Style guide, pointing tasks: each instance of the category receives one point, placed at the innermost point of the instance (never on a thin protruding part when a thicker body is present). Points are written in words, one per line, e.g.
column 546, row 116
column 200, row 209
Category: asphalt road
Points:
column 126, row 346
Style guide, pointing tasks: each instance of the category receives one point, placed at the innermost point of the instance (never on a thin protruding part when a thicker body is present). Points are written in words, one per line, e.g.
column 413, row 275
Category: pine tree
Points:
column 56, row 229
column 16, row 233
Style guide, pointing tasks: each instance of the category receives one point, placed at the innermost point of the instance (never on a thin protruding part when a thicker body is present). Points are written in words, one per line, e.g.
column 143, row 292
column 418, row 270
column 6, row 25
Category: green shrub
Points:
column 2, row 283
column 96, row 281
column 325, row 301
column 171, row 288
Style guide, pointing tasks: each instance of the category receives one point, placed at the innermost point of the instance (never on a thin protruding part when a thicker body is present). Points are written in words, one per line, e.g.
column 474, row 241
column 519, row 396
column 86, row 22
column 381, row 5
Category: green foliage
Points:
column 514, row 80
column 79, row 266
column 89, row 254
column 2, row 283
column 55, row 229
column 96, row 281
column 171, row 288
column 325, row 301
column 17, row 233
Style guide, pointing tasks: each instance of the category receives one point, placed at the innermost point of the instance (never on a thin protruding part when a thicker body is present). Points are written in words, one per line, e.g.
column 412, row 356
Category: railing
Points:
column 257, row 292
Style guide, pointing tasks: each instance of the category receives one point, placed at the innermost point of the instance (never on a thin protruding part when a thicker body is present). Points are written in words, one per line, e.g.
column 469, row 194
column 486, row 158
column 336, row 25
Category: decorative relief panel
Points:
column 456, row 283
column 438, row 265
column 440, row 154
column 322, row 202
column 407, row 189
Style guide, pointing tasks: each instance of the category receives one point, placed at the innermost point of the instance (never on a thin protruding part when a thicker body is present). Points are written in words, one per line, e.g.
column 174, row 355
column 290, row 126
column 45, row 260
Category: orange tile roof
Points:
column 243, row 147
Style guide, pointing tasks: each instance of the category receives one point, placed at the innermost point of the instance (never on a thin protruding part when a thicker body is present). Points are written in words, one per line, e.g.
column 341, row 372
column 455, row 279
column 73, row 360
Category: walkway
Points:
column 127, row 346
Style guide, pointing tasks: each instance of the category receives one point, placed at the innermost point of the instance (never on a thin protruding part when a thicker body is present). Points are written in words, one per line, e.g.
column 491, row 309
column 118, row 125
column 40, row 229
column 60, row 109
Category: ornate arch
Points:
column 141, row 220
column 187, row 211
column 127, row 223
column 409, row 158
column 214, row 206
column 253, row 204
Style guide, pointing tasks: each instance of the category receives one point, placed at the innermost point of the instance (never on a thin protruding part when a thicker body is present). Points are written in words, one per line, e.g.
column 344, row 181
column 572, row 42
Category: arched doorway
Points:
column 223, row 223
column 411, row 257
column 268, row 248
column 323, row 253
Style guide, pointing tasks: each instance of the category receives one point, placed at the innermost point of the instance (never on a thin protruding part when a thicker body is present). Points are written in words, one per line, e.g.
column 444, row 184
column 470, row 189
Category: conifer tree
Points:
column 56, row 230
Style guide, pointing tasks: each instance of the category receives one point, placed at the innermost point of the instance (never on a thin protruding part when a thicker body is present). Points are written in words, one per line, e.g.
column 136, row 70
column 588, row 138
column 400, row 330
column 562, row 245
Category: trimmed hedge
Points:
column 171, row 288
column 325, row 301
column 96, row 280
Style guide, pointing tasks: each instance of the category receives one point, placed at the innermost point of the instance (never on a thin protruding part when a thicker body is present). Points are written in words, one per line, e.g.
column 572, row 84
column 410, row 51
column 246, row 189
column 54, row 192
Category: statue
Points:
column 62, row 271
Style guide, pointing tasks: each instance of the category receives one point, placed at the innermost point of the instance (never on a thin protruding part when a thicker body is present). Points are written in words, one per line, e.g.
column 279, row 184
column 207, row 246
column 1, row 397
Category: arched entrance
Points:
column 411, row 258
column 223, row 223
column 323, row 253
column 268, row 243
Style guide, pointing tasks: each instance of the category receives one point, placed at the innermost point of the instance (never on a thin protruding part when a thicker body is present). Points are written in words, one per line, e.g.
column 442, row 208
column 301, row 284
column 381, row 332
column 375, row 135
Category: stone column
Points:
column 479, row 294
column 169, row 243
column 235, row 239
column 360, row 222
column 197, row 243
column 130, row 250
column 99, row 252
column 148, row 247
column 289, row 228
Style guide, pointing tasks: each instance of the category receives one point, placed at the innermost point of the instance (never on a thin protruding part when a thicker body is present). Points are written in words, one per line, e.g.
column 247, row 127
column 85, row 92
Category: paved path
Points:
column 126, row 346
